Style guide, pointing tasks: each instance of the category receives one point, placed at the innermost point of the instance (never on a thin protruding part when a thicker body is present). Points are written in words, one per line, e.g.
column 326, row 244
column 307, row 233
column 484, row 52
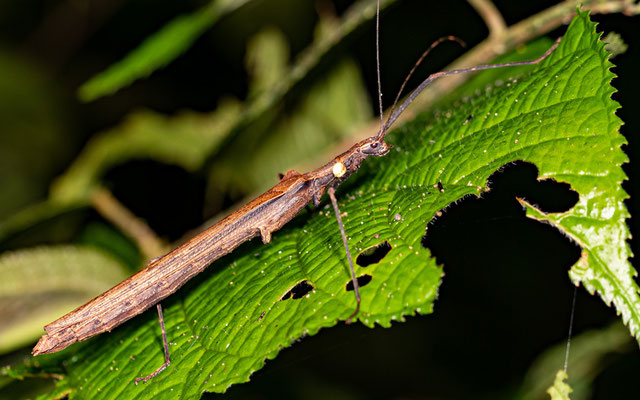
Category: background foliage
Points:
column 434, row 346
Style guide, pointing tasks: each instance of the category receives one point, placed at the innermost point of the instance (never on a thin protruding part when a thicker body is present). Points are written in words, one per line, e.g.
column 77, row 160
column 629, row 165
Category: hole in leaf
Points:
column 520, row 179
column 495, row 224
column 363, row 280
column 373, row 254
column 298, row 291
column 497, row 259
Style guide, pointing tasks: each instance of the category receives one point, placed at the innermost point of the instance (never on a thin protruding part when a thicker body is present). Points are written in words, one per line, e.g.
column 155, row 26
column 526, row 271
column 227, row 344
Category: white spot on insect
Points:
column 339, row 169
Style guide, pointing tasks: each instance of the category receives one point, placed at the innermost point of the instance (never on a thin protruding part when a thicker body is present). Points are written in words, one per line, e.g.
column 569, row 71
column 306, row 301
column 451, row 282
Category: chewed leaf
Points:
column 40, row 284
column 592, row 163
column 250, row 304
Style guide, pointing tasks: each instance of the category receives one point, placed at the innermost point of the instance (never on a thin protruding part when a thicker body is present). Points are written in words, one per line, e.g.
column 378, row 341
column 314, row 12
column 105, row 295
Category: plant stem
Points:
column 491, row 16
column 137, row 229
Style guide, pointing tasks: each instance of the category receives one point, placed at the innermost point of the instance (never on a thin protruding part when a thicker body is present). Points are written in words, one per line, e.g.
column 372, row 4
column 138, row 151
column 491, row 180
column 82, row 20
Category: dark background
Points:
column 506, row 296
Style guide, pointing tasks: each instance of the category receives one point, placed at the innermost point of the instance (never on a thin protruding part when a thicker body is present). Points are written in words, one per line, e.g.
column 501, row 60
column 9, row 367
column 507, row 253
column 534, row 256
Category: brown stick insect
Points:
column 260, row 217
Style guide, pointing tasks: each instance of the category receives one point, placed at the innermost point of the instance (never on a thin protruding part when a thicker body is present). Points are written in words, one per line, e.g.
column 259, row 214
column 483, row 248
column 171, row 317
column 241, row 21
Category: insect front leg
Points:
column 356, row 287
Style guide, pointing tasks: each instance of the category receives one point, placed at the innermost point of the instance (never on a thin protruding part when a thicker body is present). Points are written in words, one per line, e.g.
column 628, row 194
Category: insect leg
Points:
column 265, row 234
column 356, row 288
column 167, row 360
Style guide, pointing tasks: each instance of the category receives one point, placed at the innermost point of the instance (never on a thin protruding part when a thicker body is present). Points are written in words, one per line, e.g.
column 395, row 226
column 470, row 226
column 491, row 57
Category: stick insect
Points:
column 260, row 217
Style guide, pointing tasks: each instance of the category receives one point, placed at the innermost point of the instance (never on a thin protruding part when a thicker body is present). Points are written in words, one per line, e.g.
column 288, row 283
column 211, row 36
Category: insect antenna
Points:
column 413, row 69
column 378, row 67
column 331, row 190
column 395, row 114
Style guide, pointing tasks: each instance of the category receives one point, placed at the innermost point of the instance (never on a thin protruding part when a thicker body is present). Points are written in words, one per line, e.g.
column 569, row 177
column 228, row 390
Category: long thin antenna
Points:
column 394, row 116
column 378, row 66
column 573, row 311
column 417, row 64
column 331, row 191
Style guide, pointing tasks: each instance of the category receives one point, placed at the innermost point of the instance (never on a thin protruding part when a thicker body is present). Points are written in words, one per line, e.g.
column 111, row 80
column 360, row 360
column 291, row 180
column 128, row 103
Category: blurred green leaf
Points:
column 266, row 61
column 354, row 17
column 331, row 110
column 34, row 140
column 588, row 357
column 40, row 284
column 615, row 44
column 107, row 237
column 27, row 226
column 233, row 317
column 157, row 50
column 560, row 390
column 186, row 140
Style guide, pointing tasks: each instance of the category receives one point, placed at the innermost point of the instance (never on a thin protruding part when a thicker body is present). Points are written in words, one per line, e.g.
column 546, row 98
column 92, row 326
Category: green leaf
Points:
column 158, row 50
column 40, row 284
column 226, row 322
column 592, row 165
column 560, row 390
